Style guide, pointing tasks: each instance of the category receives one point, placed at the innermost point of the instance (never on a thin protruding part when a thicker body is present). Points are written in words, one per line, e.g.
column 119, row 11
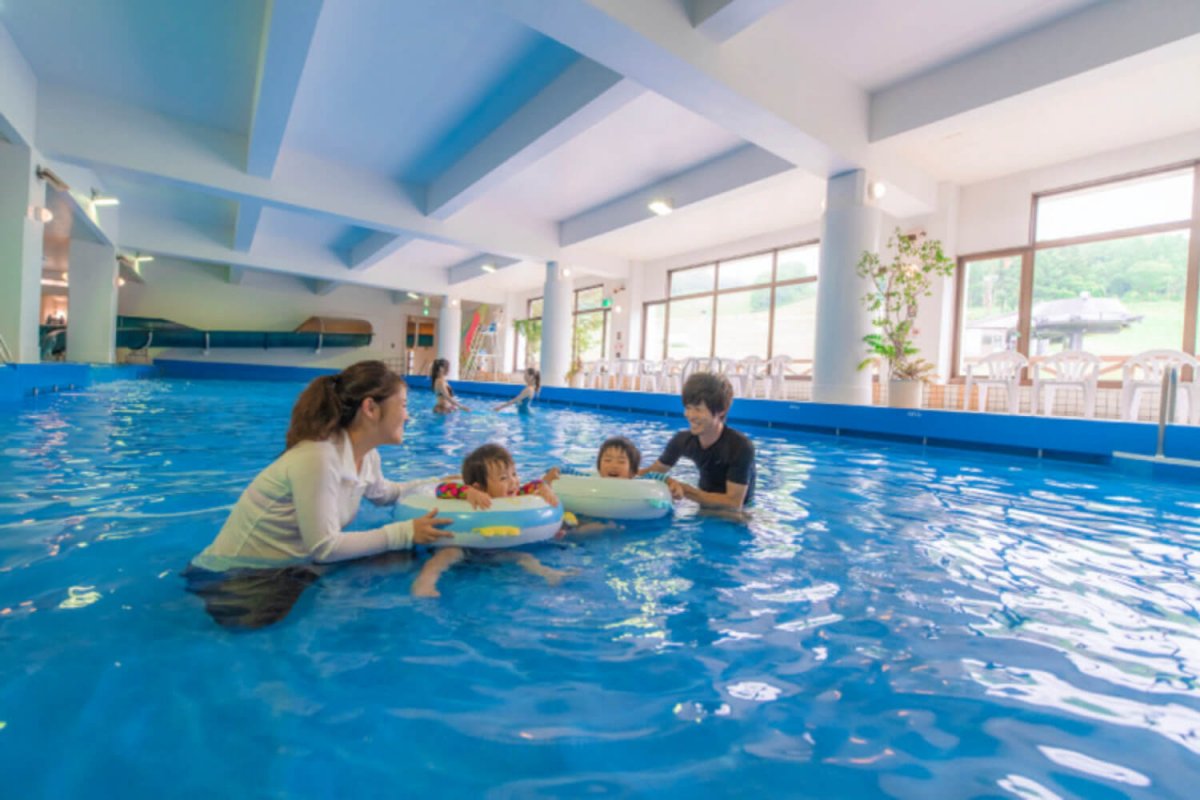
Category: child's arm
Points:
column 425, row 584
column 453, row 490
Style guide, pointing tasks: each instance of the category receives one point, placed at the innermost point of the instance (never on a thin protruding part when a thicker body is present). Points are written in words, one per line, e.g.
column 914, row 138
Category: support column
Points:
column 92, row 303
column 635, row 289
column 851, row 226
column 449, row 332
column 556, row 326
column 20, row 252
column 935, row 321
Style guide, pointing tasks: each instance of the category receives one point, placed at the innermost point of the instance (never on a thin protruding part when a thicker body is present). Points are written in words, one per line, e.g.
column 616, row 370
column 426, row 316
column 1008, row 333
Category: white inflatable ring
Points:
column 510, row 522
column 613, row 498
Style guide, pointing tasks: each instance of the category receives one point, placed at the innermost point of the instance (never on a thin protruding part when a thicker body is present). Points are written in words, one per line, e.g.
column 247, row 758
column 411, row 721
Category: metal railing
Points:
column 1166, row 406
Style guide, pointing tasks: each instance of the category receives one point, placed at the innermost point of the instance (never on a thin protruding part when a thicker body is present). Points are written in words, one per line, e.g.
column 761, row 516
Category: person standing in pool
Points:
column 293, row 513
column 724, row 457
column 446, row 401
column 533, row 383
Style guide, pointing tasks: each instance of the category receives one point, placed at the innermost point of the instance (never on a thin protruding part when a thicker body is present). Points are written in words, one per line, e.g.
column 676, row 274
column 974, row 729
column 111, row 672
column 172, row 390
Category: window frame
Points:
column 773, row 284
column 1029, row 250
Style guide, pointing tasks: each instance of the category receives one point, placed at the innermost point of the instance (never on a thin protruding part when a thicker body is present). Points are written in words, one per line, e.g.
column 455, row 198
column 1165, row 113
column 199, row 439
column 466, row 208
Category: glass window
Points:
column 690, row 333
column 693, row 281
column 528, row 343
column 798, row 262
column 535, row 307
column 1165, row 197
column 588, row 343
column 795, row 320
column 1116, row 297
column 752, row 271
column 588, row 299
column 991, row 294
column 743, row 323
column 655, row 330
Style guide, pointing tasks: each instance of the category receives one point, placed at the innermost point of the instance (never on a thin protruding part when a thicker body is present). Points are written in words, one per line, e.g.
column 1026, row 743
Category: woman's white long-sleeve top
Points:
column 296, row 508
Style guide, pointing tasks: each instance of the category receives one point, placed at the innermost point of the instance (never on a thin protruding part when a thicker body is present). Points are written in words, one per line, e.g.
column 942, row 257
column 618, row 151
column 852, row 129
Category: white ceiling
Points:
column 1128, row 103
column 641, row 143
column 875, row 43
column 393, row 93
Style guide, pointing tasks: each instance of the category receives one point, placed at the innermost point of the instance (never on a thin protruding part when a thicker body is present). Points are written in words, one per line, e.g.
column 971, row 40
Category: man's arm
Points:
column 657, row 466
column 733, row 497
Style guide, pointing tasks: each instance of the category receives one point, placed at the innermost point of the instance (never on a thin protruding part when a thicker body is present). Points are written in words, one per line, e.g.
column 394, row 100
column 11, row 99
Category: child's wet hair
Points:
column 625, row 446
column 712, row 391
column 475, row 465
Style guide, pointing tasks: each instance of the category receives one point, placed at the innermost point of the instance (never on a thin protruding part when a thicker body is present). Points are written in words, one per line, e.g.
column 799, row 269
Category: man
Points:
column 724, row 457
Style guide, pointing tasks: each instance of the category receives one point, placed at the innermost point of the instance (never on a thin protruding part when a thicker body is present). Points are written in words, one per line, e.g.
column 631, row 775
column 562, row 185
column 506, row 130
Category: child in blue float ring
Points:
column 488, row 472
column 533, row 383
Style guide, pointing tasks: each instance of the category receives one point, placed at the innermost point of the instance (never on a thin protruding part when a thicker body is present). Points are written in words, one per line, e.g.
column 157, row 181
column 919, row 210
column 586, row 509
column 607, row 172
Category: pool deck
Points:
column 1050, row 437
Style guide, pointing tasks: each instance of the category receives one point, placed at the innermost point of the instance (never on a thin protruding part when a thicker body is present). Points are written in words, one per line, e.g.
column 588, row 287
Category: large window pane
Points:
column 743, row 323
column 798, row 262
column 795, row 320
column 1111, row 298
column 535, row 307
column 752, row 271
column 691, row 328
column 589, row 335
column 1165, row 197
column 991, row 293
column 692, row 281
column 588, row 299
column 529, row 343
column 656, row 317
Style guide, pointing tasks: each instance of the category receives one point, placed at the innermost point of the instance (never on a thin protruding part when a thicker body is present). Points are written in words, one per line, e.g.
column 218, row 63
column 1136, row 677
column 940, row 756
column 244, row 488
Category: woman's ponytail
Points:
column 330, row 403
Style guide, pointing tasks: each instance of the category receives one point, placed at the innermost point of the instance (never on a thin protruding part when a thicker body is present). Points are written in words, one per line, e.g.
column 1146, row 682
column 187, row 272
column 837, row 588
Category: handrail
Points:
column 1166, row 406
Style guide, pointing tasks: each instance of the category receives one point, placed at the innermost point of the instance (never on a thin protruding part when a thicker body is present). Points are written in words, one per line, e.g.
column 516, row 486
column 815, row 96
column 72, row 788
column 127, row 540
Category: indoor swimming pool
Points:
column 893, row 621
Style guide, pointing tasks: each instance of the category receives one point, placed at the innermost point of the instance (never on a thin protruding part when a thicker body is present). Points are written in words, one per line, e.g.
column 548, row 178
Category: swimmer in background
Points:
column 488, row 472
column 533, row 384
column 446, row 401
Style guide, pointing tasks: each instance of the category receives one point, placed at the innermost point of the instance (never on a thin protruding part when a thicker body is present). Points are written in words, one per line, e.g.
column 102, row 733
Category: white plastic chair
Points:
column 1000, row 370
column 777, row 372
column 670, row 376
column 627, row 373
column 753, row 370
column 1144, row 372
column 1068, row 369
column 731, row 369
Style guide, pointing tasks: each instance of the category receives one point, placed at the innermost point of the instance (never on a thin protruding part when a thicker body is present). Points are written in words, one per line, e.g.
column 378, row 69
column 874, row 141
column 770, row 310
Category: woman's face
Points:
column 393, row 415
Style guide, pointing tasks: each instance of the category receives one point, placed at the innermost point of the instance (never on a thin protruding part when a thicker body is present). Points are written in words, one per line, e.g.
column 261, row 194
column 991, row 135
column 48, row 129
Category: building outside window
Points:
column 1109, row 270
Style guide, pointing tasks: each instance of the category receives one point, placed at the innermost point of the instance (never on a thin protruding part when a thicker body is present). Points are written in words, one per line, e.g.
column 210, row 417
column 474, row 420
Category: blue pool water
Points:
column 893, row 622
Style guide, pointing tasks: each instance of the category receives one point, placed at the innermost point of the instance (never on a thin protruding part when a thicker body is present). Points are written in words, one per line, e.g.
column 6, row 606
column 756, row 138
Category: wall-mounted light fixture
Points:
column 39, row 214
column 454, row 302
column 876, row 190
column 54, row 282
column 120, row 281
column 661, row 206
column 99, row 200
column 488, row 268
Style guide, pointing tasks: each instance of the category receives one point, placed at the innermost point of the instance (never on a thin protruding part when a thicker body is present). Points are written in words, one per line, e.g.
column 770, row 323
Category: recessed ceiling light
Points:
column 99, row 199
column 488, row 268
column 414, row 295
column 661, row 206
column 141, row 259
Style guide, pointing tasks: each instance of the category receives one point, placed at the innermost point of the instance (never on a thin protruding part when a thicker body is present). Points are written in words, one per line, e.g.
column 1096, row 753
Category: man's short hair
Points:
column 712, row 391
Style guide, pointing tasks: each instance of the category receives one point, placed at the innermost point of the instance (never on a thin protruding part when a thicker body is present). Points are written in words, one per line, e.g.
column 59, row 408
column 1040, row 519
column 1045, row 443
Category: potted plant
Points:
column 897, row 286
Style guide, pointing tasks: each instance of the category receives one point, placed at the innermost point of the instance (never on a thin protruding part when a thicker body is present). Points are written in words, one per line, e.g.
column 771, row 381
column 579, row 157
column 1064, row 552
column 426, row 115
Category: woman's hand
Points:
column 477, row 499
column 428, row 528
column 546, row 493
column 552, row 474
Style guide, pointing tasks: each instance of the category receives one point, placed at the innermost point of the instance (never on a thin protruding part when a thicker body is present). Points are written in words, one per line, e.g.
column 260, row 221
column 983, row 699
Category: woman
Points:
column 293, row 513
column 446, row 401
column 533, row 382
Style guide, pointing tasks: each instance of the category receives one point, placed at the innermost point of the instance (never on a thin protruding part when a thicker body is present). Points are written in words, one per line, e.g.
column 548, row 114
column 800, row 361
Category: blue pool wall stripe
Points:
column 1056, row 437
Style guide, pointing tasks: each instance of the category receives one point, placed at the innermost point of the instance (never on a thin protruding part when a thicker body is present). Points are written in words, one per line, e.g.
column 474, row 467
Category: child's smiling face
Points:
column 501, row 480
column 614, row 463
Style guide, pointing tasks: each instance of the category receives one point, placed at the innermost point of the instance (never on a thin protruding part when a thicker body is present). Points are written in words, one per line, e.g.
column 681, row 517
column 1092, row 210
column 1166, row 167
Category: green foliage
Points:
column 531, row 331
column 897, row 286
